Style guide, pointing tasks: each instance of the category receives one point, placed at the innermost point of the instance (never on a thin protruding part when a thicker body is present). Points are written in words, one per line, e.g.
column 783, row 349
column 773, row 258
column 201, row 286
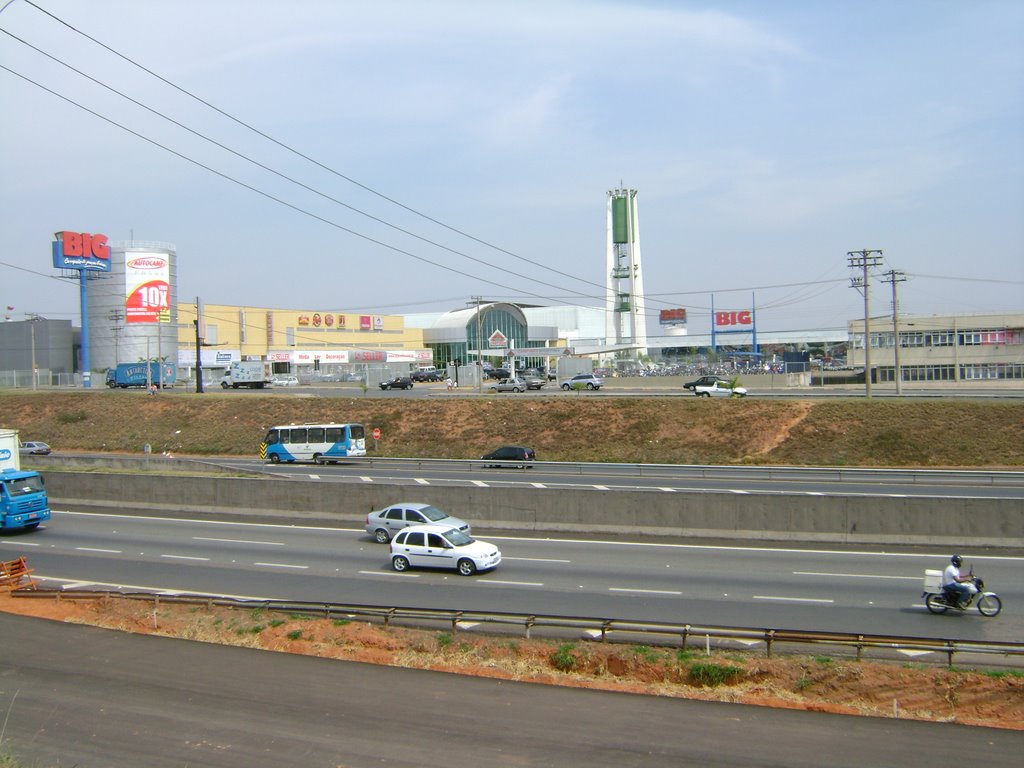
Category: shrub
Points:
column 295, row 634
column 564, row 658
column 713, row 675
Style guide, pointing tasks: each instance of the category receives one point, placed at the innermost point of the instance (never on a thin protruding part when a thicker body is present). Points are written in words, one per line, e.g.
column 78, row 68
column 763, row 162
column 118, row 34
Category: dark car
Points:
column 426, row 376
column 398, row 382
column 497, row 373
column 704, row 381
column 511, row 454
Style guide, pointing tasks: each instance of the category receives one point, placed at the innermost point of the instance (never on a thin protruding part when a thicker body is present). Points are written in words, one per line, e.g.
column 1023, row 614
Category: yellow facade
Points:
column 265, row 333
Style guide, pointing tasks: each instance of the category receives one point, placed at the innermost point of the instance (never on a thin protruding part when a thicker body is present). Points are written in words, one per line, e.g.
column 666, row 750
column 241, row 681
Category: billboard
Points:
column 82, row 251
column 672, row 317
column 147, row 283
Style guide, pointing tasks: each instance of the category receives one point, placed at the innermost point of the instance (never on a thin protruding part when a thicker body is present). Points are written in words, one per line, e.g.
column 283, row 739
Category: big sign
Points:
column 147, row 288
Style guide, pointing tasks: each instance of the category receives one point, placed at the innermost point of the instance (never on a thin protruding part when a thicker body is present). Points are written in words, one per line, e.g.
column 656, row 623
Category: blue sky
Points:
column 766, row 140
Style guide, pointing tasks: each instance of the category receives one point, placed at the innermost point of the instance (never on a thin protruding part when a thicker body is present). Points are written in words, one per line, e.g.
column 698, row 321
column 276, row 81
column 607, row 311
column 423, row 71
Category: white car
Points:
column 583, row 381
column 284, row 381
column 719, row 389
column 437, row 546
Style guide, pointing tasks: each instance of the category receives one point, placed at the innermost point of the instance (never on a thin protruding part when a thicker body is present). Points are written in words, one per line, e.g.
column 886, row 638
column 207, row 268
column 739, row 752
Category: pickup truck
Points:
column 719, row 389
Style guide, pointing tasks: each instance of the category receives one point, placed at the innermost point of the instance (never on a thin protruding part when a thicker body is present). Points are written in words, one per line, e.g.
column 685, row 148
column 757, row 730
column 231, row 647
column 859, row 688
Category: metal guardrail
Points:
column 599, row 627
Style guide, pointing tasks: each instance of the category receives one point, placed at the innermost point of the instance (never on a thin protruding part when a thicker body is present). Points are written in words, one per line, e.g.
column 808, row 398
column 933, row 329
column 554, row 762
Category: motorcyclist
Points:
column 961, row 587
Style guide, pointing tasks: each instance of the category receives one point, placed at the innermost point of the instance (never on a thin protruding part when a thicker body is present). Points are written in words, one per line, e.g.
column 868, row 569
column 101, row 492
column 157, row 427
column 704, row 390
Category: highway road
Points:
column 81, row 696
column 938, row 484
column 875, row 592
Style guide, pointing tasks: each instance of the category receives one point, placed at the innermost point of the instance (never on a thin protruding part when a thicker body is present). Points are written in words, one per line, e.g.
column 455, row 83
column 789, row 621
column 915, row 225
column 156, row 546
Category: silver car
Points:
column 514, row 384
column 385, row 523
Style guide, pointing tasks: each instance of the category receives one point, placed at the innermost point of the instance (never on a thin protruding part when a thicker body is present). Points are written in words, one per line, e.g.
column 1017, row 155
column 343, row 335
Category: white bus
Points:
column 319, row 443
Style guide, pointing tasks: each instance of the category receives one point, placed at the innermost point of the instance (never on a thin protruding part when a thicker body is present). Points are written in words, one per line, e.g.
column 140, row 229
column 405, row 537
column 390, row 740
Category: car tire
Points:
column 516, row 389
column 381, row 536
column 400, row 563
column 467, row 567
column 566, row 387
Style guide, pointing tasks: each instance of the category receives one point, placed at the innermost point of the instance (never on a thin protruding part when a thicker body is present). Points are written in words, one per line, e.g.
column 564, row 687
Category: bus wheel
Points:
column 275, row 459
column 317, row 458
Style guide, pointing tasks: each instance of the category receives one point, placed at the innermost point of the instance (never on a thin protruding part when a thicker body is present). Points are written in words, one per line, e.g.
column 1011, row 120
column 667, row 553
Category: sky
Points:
column 403, row 156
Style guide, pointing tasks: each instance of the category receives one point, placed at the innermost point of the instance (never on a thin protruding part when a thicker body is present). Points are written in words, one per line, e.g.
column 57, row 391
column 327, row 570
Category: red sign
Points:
column 376, row 433
column 734, row 318
column 670, row 316
column 84, row 244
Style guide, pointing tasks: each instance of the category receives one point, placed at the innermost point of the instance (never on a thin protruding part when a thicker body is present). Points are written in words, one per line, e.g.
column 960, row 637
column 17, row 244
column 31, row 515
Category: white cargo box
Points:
column 932, row 581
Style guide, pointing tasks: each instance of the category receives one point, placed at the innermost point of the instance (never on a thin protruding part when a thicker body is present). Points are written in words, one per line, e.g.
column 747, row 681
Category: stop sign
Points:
column 376, row 433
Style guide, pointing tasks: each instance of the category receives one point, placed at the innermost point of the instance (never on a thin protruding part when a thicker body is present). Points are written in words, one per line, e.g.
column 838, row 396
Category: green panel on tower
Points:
column 620, row 219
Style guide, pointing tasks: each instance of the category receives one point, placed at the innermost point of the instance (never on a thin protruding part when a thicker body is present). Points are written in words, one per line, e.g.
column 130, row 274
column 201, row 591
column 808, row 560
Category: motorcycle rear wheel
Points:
column 989, row 604
column 935, row 604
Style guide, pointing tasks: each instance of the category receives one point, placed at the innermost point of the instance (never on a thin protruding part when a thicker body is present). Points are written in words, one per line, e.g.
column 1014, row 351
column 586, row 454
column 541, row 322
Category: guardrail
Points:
column 598, row 627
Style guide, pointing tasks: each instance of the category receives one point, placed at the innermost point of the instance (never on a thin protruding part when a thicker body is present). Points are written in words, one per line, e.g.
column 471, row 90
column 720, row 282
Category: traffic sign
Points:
column 376, row 433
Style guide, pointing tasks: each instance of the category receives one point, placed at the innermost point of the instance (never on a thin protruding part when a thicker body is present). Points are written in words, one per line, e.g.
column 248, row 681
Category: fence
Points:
column 602, row 628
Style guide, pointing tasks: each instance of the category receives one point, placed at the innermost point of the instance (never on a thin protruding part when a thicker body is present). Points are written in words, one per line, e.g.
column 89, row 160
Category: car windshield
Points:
column 457, row 538
column 433, row 514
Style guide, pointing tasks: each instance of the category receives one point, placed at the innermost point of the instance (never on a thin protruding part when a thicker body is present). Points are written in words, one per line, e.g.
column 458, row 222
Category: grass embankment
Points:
column 671, row 430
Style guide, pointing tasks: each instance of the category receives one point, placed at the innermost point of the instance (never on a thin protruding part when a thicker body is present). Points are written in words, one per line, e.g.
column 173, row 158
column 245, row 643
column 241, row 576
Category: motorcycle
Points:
column 939, row 599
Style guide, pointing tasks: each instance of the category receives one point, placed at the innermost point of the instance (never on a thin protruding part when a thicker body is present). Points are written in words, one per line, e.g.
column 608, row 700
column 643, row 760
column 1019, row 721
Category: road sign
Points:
column 376, row 433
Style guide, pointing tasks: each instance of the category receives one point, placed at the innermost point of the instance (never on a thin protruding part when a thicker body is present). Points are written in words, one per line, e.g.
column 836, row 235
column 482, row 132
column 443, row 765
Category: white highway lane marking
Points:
column 512, row 583
column 856, row 575
column 480, row 484
column 645, row 591
column 537, row 559
column 600, row 487
column 538, row 485
column 185, row 557
column 284, row 565
column 740, row 492
column 21, row 543
column 792, row 599
column 366, row 479
column 239, row 541
column 97, row 549
column 422, row 481
column 389, row 573
column 670, row 490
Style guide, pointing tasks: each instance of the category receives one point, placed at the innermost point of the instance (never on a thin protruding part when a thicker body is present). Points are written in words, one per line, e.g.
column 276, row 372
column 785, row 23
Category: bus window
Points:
column 316, row 435
column 335, row 434
column 357, row 431
column 298, row 436
column 271, row 438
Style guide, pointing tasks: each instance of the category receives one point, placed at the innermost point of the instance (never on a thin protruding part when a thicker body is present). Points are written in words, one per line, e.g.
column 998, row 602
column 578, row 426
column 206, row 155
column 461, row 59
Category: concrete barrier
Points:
column 750, row 517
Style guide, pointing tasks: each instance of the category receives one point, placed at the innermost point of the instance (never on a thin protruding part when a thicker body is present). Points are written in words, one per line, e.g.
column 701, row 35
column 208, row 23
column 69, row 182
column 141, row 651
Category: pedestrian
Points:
column 152, row 389
column 449, row 383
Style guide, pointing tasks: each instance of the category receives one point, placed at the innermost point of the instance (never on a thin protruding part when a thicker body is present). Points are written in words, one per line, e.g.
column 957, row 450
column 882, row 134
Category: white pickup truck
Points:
column 719, row 389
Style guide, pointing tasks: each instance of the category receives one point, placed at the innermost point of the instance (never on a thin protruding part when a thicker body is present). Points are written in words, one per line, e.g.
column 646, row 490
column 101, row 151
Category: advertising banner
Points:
column 147, row 288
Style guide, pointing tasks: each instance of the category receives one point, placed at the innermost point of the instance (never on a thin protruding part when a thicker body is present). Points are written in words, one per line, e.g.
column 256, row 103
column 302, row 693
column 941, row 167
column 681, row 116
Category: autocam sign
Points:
column 147, row 288
column 81, row 250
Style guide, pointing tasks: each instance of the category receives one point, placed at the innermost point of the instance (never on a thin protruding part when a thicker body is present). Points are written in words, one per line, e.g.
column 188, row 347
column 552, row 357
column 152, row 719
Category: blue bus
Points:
column 319, row 443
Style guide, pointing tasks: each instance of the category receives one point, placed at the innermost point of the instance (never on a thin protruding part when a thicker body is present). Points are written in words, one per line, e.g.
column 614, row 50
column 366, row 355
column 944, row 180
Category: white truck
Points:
column 246, row 373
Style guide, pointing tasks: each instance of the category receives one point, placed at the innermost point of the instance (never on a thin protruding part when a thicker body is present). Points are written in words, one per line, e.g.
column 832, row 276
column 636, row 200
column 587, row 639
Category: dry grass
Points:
column 840, row 432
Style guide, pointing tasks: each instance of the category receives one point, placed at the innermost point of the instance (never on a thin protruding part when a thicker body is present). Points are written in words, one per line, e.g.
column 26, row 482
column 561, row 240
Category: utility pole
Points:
column 33, row 318
column 894, row 276
column 479, row 349
column 116, row 316
column 864, row 260
column 199, row 353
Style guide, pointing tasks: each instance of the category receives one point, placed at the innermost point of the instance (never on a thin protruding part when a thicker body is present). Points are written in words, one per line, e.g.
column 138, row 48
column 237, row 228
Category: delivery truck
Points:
column 141, row 375
column 23, row 502
column 246, row 373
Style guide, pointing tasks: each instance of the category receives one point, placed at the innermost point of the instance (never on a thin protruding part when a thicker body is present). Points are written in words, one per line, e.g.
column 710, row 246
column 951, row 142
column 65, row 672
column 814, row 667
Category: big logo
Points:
column 84, row 244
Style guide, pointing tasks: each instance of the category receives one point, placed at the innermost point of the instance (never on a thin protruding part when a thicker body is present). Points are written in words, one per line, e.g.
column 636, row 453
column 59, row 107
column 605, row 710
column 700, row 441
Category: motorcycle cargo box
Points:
column 932, row 581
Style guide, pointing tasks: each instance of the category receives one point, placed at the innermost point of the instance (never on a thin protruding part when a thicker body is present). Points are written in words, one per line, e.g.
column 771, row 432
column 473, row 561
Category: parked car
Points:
column 583, row 381
column 497, row 373
column 33, row 449
column 284, row 381
column 719, row 389
column 385, row 523
column 434, row 546
column 511, row 454
column 703, row 381
column 398, row 382
column 509, row 385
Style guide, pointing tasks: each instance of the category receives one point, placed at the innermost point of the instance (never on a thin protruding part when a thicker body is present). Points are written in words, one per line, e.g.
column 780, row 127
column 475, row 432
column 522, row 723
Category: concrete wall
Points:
column 839, row 519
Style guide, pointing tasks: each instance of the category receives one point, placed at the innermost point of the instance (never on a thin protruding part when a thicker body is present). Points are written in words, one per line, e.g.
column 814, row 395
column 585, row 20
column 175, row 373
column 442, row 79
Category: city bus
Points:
column 319, row 443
